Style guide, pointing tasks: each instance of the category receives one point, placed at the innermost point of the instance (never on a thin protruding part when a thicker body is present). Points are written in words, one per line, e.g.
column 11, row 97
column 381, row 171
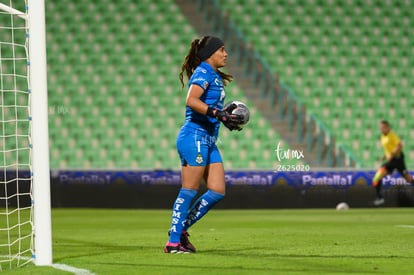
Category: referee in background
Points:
column 393, row 160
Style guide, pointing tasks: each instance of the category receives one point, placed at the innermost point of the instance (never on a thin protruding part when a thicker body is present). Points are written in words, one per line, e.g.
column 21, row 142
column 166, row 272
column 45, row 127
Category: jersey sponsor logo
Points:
column 222, row 95
column 201, row 79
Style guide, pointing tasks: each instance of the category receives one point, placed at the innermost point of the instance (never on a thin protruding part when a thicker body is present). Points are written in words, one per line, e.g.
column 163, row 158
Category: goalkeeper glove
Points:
column 237, row 118
column 229, row 120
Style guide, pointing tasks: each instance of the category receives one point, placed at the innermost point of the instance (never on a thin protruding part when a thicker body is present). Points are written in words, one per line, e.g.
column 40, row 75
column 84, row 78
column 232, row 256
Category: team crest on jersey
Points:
column 199, row 158
column 205, row 85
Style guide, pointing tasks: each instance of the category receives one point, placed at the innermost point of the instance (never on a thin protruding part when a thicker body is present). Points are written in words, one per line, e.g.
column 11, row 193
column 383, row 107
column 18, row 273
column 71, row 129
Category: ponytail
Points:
column 192, row 59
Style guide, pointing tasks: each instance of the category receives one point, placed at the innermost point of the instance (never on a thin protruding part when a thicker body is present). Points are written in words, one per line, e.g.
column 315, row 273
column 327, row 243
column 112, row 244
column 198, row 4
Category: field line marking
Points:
column 64, row 267
column 405, row 226
column 75, row 270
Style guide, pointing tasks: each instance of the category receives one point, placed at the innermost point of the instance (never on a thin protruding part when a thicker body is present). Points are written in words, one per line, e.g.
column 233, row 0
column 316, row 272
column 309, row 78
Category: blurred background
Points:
column 317, row 75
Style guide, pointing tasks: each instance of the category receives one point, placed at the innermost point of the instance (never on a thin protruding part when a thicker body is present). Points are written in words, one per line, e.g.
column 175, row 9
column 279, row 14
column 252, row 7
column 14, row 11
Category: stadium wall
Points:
column 245, row 189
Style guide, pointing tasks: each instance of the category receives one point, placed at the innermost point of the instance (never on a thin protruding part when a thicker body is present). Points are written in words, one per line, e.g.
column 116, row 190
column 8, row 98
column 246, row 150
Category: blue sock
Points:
column 201, row 207
column 179, row 213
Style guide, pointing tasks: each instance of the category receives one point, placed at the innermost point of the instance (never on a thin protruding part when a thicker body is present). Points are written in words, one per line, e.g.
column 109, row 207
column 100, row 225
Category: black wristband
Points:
column 211, row 112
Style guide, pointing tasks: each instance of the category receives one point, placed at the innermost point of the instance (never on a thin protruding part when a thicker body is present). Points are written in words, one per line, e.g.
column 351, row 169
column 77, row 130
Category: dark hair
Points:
column 386, row 123
column 192, row 60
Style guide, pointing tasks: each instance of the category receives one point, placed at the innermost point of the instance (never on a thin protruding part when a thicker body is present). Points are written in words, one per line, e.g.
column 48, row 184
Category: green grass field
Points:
column 358, row 241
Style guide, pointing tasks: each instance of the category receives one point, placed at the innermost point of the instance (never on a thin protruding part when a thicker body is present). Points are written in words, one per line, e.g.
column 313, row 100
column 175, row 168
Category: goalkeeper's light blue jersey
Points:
column 211, row 82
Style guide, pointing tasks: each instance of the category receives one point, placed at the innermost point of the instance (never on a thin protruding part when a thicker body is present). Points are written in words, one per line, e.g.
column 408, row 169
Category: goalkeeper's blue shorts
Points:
column 197, row 146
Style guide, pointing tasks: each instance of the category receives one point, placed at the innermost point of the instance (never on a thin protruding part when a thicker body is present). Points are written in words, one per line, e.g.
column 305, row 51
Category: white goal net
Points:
column 16, row 222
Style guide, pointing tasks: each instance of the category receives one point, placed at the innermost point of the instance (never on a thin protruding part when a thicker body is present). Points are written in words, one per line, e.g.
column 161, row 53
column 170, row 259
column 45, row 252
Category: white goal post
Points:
column 38, row 137
column 40, row 132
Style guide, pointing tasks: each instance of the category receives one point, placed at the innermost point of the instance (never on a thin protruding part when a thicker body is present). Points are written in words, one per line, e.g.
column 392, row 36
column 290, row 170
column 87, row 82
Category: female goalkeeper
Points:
column 200, row 158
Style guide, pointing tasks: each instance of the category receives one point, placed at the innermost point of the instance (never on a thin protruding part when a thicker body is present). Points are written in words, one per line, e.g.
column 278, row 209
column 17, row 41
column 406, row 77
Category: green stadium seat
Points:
column 363, row 43
column 116, row 70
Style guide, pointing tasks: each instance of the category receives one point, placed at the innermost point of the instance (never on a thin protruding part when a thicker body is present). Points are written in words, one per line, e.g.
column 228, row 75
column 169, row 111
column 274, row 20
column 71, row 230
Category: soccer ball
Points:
column 342, row 206
column 242, row 110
